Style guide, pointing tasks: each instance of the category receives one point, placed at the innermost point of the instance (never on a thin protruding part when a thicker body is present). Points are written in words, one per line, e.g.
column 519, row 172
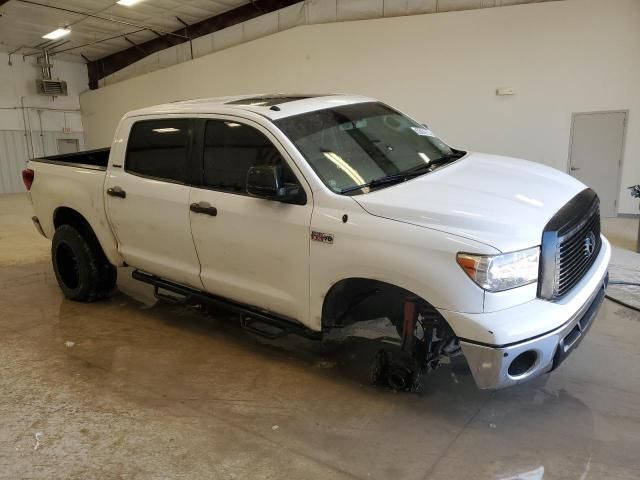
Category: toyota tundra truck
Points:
column 307, row 213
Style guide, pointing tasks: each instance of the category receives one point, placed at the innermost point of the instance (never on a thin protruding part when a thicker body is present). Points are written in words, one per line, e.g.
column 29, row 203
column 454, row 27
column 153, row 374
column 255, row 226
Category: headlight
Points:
column 496, row 273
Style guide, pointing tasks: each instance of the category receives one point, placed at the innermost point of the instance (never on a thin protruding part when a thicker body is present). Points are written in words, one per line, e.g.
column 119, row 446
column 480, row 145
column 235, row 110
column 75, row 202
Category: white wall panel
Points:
column 203, row 45
column 453, row 5
column 148, row 64
column 307, row 12
column 13, row 158
column 261, row 26
column 292, row 16
column 408, row 7
column 321, row 11
column 18, row 81
column 183, row 52
column 359, row 9
column 228, row 37
column 45, row 144
column 20, row 129
column 168, row 56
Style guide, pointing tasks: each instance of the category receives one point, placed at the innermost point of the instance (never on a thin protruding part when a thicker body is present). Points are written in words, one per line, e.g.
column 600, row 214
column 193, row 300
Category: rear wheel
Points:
column 83, row 272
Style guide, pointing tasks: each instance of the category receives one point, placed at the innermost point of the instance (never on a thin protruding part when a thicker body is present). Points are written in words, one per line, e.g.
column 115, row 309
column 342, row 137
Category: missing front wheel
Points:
column 426, row 339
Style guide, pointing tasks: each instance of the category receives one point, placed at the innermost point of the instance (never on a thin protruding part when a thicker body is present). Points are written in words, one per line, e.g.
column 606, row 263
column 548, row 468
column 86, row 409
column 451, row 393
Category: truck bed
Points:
column 93, row 159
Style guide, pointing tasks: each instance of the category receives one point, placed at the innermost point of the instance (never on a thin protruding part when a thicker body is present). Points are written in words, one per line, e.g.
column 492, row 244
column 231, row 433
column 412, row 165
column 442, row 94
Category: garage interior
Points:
column 135, row 388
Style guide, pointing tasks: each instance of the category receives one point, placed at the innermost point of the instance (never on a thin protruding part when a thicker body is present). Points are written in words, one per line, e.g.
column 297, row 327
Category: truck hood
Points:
column 500, row 201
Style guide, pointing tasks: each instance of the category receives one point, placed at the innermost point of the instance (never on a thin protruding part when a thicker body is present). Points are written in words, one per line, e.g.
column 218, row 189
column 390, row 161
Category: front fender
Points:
column 417, row 259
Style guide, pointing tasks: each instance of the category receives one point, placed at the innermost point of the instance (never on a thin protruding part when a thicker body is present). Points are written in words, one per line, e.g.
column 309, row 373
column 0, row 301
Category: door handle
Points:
column 573, row 169
column 116, row 192
column 203, row 207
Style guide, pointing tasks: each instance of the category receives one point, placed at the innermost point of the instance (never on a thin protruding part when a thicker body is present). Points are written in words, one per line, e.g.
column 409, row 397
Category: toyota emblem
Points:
column 589, row 244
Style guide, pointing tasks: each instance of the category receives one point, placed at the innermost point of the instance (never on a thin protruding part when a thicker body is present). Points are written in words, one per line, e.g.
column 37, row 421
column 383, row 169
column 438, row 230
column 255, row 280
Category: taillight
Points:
column 27, row 177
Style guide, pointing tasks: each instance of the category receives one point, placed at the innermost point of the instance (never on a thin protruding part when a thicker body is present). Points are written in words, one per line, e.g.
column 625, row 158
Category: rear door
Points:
column 148, row 199
column 251, row 250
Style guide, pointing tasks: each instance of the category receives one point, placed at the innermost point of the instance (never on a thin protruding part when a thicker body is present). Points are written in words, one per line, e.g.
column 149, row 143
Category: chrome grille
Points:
column 574, row 256
column 570, row 245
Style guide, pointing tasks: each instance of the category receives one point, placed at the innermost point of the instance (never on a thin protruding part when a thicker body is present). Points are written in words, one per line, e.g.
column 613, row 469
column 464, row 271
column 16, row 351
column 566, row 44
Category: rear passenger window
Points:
column 158, row 149
column 230, row 149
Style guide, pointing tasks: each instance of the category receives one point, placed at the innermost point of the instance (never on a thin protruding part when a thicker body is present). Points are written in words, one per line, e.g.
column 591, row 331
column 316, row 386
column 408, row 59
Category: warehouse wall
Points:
column 443, row 69
column 21, row 134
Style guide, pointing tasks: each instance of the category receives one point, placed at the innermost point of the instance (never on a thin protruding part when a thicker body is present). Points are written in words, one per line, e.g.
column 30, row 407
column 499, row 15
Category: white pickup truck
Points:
column 306, row 213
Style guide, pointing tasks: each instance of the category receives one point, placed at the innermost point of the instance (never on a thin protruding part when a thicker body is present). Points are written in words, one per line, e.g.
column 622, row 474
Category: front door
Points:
column 596, row 155
column 251, row 250
column 148, row 201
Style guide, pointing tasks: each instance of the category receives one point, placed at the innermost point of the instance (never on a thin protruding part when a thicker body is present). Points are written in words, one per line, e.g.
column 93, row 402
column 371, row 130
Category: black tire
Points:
column 82, row 270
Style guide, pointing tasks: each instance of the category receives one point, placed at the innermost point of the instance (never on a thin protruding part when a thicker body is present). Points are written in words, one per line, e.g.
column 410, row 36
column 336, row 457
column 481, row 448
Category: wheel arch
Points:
column 64, row 215
column 365, row 296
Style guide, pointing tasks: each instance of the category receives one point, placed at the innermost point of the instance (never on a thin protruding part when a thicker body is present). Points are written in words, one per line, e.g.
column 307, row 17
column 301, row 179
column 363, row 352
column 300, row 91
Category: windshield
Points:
column 354, row 148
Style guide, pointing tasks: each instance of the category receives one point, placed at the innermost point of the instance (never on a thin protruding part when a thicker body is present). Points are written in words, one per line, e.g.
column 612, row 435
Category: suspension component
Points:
column 425, row 339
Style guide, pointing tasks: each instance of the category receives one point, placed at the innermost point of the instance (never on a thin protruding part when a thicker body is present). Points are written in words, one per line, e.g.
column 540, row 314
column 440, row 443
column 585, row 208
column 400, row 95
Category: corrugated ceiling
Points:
column 23, row 24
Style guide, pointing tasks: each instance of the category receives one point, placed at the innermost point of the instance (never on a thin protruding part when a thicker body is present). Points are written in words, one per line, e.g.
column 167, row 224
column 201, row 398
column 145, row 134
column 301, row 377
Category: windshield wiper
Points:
column 412, row 172
column 449, row 157
column 396, row 177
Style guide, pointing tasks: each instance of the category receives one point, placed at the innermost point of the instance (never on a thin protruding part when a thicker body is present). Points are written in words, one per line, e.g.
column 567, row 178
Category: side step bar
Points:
column 251, row 319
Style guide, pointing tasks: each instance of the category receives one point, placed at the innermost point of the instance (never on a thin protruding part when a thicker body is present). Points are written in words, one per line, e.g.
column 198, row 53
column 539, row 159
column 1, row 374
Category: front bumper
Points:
column 497, row 367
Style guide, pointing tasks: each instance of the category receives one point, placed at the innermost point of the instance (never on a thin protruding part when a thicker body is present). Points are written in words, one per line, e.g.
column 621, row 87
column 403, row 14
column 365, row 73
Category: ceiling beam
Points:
column 106, row 18
column 105, row 66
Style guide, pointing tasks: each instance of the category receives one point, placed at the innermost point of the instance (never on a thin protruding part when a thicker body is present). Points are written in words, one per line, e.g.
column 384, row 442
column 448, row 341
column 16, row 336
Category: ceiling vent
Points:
column 52, row 88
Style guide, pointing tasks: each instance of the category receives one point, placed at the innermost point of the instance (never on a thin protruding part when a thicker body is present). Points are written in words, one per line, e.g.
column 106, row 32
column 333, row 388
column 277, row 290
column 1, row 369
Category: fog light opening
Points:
column 523, row 363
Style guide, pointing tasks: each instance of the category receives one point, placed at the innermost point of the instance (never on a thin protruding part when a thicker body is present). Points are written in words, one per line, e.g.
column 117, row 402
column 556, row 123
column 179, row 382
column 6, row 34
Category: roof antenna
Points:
column 275, row 108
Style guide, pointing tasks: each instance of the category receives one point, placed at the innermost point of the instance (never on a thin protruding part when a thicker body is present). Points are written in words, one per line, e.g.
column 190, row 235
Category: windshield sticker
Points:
column 423, row 132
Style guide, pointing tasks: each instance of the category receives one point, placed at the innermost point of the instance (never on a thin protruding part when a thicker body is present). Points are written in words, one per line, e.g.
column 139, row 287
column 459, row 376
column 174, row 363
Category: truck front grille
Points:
column 570, row 244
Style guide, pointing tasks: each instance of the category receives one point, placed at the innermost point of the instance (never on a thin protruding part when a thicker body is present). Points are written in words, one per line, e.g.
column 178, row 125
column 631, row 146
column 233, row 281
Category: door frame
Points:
column 620, row 154
column 76, row 140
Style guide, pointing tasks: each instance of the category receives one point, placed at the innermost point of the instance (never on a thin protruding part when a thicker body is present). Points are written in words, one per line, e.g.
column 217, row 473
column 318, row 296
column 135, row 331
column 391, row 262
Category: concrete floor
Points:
column 128, row 389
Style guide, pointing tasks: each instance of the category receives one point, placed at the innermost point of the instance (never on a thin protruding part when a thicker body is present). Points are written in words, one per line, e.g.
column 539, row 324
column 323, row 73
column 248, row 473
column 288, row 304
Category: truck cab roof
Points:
column 272, row 106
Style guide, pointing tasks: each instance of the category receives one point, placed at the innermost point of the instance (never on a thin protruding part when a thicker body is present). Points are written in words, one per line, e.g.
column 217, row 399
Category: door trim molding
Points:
column 620, row 154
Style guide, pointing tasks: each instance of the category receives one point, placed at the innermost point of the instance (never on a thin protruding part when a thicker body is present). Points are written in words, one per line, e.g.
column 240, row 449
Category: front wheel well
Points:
column 425, row 336
column 357, row 299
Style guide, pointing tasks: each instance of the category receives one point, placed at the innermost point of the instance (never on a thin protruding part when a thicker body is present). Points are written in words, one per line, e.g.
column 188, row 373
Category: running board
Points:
column 251, row 318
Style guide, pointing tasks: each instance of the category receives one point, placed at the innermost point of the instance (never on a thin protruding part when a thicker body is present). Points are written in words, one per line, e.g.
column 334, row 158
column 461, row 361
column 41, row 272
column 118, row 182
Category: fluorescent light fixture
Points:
column 166, row 130
column 56, row 34
column 128, row 3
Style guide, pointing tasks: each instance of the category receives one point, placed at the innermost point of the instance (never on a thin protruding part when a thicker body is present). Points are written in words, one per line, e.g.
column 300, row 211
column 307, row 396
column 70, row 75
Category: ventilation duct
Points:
column 47, row 86
column 52, row 88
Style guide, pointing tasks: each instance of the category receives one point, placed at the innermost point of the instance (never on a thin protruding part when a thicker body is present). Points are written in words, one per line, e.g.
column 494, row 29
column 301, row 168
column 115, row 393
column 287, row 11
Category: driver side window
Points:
column 230, row 149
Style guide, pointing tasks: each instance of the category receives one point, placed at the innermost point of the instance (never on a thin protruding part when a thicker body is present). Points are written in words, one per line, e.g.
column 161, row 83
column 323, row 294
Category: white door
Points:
column 251, row 250
column 148, row 201
column 596, row 154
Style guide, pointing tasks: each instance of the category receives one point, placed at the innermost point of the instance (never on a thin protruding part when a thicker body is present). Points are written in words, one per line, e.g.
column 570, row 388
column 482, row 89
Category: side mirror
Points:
column 266, row 182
